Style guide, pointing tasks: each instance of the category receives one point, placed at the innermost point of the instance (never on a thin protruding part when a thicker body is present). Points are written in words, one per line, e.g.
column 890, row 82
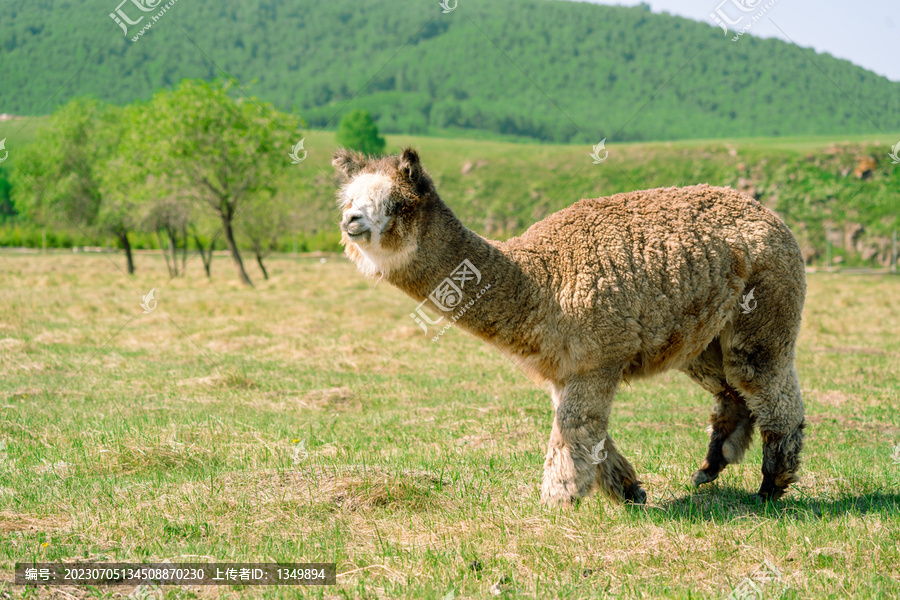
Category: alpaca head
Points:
column 380, row 202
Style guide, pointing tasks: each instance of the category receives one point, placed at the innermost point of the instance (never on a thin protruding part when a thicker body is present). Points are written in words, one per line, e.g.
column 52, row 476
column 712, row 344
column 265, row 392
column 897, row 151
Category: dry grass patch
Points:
column 230, row 378
column 352, row 488
column 15, row 521
column 335, row 398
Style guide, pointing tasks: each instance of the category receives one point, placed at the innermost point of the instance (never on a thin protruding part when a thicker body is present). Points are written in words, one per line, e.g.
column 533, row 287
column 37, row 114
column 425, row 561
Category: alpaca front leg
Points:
column 782, row 434
column 559, row 486
column 616, row 477
column 781, row 461
column 581, row 454
column 781, row 420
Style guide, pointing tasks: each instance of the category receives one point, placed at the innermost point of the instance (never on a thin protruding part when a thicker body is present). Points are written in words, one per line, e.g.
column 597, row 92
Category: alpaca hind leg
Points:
column 731, row 423
column 730, row 432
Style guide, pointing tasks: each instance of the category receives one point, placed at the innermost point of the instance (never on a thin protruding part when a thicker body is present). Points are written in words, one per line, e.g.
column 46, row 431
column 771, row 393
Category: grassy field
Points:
column 18, row 132
column 309, row 419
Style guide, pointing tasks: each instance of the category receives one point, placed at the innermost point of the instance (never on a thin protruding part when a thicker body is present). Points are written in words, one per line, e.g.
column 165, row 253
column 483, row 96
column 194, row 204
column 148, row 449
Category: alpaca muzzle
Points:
column 353, row 226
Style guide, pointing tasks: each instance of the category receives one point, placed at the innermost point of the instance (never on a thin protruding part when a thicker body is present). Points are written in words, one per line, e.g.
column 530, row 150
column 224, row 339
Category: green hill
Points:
column 556, row 71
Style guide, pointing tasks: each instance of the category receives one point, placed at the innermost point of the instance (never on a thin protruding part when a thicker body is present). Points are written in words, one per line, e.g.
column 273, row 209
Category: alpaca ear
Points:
column 410, row 167
column 348, row 162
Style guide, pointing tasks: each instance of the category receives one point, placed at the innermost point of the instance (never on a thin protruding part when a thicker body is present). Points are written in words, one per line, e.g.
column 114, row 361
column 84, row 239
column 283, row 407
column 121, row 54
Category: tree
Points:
column 117, row 213
column 205, row 244
column 170, row 216
column 7, row 208
column 357, row 130
column 263, row 223
column 214, row 150
column 57, row 180
column 137, row 188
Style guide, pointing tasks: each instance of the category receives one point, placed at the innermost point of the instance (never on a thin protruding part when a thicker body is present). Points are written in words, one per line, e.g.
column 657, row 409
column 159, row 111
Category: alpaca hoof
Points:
column 564, row 502
column 635, row 494
column 558, row 496
column 758, row 500
column 701, row 477
column 768, row 494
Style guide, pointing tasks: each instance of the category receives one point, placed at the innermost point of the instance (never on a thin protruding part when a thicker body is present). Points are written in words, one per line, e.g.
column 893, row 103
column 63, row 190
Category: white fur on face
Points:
column 367, row 194
column 366, row 198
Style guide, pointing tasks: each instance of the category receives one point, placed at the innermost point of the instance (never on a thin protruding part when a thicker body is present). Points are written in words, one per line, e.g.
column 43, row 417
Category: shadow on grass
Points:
column 728, row 503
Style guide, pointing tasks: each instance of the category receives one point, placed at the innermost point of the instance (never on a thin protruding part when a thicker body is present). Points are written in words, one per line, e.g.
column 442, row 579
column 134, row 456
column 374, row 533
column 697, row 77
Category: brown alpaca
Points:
column 609, row 289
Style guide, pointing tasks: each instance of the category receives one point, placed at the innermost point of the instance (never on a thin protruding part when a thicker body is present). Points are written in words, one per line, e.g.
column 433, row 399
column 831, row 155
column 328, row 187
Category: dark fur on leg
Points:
column 617, row 478
column 731, row 431
column 781, row 462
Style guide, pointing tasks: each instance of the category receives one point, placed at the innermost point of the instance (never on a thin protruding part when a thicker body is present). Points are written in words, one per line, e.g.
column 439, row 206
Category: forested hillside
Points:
column 558, row 71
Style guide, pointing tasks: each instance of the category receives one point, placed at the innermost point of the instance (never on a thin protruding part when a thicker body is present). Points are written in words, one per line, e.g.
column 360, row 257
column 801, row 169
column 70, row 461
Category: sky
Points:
column 865, row 32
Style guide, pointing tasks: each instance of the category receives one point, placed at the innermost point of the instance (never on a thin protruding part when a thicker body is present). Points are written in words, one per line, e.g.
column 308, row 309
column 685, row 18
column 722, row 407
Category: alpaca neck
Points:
column 451, row 258
column 443, row 244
